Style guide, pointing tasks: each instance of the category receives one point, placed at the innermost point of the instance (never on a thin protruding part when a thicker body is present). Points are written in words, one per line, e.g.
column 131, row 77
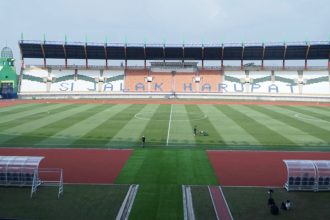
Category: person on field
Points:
column 195, row 130
column 288, row 205
column 143, row 139
column 274, row 210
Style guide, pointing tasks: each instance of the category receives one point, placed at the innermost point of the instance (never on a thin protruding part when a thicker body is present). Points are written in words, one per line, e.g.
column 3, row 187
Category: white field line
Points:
column 215, row 211
column 300, row 116
column 224, row 198
column 169, row 126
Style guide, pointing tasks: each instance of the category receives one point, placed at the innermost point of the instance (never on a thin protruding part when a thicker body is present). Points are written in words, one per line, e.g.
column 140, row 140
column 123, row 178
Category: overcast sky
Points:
column 169, row 21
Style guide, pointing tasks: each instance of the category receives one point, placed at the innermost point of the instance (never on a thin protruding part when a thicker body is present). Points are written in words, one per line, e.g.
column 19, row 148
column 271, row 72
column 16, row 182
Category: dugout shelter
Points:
column 323, row 174
column 307, row 175
column 24, row 171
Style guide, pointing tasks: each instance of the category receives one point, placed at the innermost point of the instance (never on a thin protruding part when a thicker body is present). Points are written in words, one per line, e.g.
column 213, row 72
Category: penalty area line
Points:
column 169, row 126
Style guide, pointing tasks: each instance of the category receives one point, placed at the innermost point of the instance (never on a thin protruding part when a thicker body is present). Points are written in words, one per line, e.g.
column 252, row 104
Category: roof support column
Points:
column 22, row 63
column 284, row 55
column 306, row 56
column 86, row 57
column 182, row 53
column 263, row 56
column 242, row 56
column 329, row 62
column 22, row 58
column 202, row 57
column 145, row 57
column 43, row 54
column 164, row 55
column 125, row 51
column 65, row 56
column 106, row 55
column 222, row 53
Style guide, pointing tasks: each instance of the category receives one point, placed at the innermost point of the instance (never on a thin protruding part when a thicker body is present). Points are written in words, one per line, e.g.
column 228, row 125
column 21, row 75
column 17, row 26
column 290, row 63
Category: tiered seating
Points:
column 161, row 82
column 210, row 80
column 63, row 80
column 184, row 82
column 232, row 82
column 34, row 80
column 86, row 80
column 113, row 80
column 316, row 82
column 286, row 81
column 262, row 82
column 135, row 80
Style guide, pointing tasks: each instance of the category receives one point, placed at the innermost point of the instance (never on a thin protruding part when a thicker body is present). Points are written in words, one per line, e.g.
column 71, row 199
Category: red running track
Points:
column 256, row 168
column 80, row 165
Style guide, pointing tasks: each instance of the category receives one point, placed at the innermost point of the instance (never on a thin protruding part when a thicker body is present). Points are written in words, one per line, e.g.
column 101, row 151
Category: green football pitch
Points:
column 122, row 125
column 173, row 156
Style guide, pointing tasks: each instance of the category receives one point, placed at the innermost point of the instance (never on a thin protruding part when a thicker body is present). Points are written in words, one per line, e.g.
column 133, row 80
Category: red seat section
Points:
column 135, row 80
column 210, row 80
column 184, row 82
column 161, row 82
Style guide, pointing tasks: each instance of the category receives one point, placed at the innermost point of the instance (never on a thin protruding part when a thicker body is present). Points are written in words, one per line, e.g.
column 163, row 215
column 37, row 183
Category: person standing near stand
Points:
column 143, row 139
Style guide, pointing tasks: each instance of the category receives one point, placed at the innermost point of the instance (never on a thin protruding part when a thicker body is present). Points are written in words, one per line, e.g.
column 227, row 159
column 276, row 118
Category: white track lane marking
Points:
column 169, row 126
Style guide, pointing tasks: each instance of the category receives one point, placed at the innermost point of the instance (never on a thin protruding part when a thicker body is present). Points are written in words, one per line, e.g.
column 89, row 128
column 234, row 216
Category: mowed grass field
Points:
column 173, row 156
column 78, row 202
column 122, row 125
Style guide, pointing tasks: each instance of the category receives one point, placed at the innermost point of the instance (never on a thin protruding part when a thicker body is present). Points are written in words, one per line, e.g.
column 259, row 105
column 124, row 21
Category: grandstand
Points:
column 175, row 69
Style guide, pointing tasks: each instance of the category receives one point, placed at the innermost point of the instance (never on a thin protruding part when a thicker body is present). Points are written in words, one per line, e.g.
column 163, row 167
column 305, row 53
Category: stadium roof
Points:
column 272, row 51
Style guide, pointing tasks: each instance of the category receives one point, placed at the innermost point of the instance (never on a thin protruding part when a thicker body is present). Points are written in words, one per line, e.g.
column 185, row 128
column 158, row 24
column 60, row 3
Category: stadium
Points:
column 218, row 139
column 161, row 110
